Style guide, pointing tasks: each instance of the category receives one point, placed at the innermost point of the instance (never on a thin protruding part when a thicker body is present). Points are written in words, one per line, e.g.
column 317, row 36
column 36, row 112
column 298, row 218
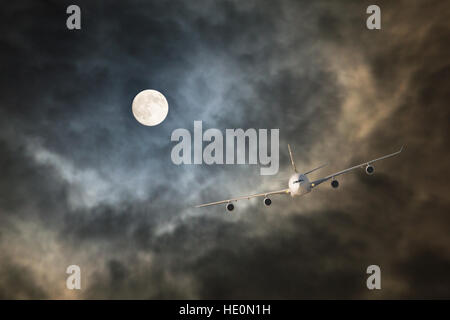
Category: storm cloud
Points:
column 84, row 183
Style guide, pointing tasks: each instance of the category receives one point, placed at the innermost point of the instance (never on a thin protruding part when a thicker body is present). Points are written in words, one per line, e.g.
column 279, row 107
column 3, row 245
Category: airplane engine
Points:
column 370, row 169
column 335, row 184
column 230, row 207
column 267, row 202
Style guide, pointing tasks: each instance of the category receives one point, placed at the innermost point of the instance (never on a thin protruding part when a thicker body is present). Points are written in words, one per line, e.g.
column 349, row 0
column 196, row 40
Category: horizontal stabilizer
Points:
column 316, row 168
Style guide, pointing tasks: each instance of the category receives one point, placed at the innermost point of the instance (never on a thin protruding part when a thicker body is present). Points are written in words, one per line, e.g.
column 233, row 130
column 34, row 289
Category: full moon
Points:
column 150, row 107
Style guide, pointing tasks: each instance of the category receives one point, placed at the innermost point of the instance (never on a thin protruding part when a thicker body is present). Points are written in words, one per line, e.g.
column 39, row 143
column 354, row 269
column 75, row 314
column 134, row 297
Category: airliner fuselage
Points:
column 299, row 185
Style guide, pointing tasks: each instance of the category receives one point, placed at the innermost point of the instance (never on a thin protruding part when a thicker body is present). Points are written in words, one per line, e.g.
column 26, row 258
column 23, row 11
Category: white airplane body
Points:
column 299, row 184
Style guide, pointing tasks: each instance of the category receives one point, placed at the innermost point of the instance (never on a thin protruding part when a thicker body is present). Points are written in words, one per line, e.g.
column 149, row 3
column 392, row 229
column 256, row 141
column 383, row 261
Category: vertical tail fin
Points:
column 292, row 159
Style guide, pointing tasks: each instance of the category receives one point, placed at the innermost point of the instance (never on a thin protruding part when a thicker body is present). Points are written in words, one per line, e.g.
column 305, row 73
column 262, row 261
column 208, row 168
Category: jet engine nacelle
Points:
column 230, row 206
column 370, row 169
column 267, row 202
column 334, row 184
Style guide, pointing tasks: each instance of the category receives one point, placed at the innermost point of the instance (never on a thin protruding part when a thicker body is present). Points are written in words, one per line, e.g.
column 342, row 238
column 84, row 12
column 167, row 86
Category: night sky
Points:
column 82, row 182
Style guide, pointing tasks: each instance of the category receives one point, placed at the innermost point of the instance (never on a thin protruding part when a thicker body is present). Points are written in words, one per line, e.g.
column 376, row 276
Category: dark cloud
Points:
column 17, row 282
column 83, row 183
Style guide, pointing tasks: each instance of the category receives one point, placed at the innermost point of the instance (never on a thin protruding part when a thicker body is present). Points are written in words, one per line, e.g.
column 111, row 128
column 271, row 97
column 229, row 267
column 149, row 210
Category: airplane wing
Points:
column 332, row 176
column 284, row 191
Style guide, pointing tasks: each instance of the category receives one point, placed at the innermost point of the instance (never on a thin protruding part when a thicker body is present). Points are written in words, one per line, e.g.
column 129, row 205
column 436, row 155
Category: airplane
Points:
column 299, row 183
